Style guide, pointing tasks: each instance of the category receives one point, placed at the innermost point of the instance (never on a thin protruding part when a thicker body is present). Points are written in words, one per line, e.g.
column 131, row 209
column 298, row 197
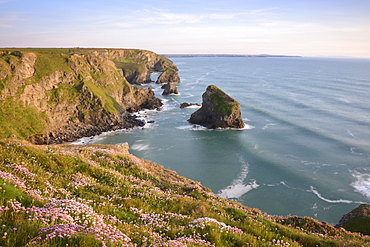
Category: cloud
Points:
column 168, row 18
column 8, row 21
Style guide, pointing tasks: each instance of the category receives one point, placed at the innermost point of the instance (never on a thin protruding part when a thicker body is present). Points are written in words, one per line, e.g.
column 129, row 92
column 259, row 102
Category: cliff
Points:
column 218, row 110
column 101, row 195
column 49, row 96
column 170, row 75
column 358, row 220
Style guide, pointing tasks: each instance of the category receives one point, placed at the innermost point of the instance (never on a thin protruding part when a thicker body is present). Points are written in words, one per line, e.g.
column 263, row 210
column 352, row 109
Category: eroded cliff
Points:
column 57, row 96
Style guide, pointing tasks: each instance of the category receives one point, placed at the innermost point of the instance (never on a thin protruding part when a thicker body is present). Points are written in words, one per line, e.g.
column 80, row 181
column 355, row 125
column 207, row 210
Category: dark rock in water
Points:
column 358, row 220
column 218, row 110
column 184, row 105
column 169, row 88
column 169, row 75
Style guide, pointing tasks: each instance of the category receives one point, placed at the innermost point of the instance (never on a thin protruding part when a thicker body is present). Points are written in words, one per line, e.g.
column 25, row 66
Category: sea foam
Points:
column 362, row 184
column 313, row 190
column 237, row 188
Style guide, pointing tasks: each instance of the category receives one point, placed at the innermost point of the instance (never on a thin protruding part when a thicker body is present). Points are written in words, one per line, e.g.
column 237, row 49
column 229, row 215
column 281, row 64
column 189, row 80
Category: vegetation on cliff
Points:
column 101, row 195
column 64, row 94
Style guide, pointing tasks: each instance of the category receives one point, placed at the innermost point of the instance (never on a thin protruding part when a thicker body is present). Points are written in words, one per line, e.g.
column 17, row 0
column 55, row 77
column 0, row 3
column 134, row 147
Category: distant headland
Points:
column 224, row 55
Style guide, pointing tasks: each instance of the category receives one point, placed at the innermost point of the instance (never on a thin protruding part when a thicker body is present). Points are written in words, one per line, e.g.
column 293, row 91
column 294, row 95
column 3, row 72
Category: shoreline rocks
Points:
column 184, row 105
column 218, row 110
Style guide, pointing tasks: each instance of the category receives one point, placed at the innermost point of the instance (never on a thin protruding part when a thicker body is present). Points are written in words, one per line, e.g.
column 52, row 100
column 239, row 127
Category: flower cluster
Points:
column 17, row 182
column 68, row 217
column 80, row 180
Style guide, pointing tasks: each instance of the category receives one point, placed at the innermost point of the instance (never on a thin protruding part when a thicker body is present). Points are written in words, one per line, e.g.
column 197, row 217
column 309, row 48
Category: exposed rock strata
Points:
column 169, row 88
column 73, row 95
column 218, row 110
column 137, row 65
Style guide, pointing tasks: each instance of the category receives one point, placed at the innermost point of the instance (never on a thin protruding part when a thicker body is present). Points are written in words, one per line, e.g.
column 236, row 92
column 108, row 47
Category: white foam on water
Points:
column 267, row 126
column 331, row 201
column 89, row 139
column 194, row 106
column 350, row 133
column 362, row 183
column 192, row 127
column 237, row 188
column 248, row 127
column 139, row 147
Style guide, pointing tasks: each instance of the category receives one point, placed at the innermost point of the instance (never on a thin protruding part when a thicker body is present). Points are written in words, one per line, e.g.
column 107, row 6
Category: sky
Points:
column 279, row 27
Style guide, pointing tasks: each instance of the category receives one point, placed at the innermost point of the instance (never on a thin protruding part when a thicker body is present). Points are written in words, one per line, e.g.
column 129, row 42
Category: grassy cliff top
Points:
column 101, row 195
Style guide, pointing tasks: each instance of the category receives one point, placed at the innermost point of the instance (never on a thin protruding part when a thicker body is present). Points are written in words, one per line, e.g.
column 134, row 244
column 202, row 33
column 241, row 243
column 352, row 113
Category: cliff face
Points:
column 358, row 220
column 218, row 110
column 170, row 75
column 138, row 64
column 52, row 97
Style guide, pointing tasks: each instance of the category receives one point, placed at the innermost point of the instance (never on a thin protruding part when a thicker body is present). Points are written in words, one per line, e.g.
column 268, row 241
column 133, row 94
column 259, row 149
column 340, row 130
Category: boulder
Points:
column 358, row 220
column 169, row 88
column 218, row 110
column 169, row 75
column 184, row 105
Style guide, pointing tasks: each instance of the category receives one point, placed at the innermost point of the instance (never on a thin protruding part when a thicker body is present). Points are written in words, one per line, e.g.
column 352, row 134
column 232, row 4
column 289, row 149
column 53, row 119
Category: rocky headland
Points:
column 218, row 110
column 54, row 96
column 358, row 220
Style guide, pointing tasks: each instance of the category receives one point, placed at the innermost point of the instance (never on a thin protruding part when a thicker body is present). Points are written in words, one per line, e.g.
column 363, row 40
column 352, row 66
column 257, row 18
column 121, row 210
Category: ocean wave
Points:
column 91, row 139
column 237, row 190
column 192, row 127
column 332, row 201
column 248, row 127
column 237, row 187
column 267, row 126
column 139, row 147
column 362, row 184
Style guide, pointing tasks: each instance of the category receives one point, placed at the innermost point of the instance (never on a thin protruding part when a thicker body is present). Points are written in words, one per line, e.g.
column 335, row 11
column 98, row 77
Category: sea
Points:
column 305, row 149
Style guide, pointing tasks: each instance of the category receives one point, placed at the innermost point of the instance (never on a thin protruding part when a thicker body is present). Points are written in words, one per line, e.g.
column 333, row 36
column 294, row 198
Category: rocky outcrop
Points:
column 218, row 110
column 65, row 96
column 185, row 104
column 137, row 65
column 169, row 88
column 169, row 75
column 358, row 220
column 136, row 73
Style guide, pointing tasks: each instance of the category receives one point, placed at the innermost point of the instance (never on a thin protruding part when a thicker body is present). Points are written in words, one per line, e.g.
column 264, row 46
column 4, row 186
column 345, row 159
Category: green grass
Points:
column 47, row 63
column 19, row 120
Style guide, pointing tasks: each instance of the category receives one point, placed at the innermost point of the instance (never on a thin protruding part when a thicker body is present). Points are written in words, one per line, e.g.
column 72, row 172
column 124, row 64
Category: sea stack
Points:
column 169, row 88
column 218, row 110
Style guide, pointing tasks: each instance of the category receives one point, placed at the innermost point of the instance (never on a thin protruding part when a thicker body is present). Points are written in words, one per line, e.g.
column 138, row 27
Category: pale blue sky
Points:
column 291, row 27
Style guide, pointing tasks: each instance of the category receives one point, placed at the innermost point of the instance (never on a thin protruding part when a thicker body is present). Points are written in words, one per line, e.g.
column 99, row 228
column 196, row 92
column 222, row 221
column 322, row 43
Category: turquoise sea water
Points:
column 306, row 147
